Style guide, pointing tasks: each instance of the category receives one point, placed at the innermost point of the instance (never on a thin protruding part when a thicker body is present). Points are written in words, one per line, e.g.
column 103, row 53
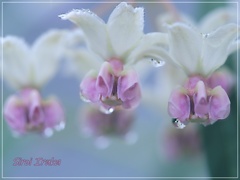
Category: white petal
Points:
column 16, row 60
column 217, row 18
column 125, row 27
column 185, row 46
column 170, row 18
column 81, row 61
column 235, row 45
column 94, row 29
column 151, row 46
column 216, row 47
column 47, row 50
column 75, row 38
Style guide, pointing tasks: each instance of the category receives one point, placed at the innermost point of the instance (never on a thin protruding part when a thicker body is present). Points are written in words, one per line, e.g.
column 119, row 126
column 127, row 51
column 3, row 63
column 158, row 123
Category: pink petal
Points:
column 200, row 100
column 15, row 113
column 219, row 104
column 128, row 89
column 117, row 66
column 179, row 105
column 25, row 94
column 192, row 82
column 35, row 115
column 135, row 101
column 88, row 88
column 221, row 78
column 105, row 80
column 53, row 112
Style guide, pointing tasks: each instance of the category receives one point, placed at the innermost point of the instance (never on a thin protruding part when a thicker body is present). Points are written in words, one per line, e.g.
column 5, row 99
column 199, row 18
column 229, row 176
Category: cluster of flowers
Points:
column 111, row 52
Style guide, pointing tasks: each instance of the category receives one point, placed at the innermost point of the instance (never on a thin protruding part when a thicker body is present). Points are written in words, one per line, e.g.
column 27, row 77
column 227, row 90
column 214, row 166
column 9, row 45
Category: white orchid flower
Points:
column 199, row 49
column 199, row 55
column 27, row 69
column 114, row 47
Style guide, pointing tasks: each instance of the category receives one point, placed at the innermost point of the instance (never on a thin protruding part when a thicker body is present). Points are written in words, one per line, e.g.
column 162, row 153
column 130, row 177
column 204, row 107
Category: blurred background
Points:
column 151, row 145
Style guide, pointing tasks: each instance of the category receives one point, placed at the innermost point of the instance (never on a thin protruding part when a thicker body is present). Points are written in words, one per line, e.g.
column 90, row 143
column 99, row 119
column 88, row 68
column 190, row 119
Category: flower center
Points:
column 197, row 102
column 113, row 99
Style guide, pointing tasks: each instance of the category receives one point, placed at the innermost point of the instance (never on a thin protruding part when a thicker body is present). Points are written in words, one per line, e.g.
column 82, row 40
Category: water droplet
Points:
column 106, row 110
column 178, row 124
column 83, row 98
column 157, row 63
column 48, row 132
column 102, row 142
column 60, row 126
column 205, row 35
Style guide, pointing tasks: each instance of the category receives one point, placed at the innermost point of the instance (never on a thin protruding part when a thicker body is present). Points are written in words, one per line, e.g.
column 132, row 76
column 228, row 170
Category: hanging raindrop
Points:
column 157, row 63
column 106, row 110
column 178, row 124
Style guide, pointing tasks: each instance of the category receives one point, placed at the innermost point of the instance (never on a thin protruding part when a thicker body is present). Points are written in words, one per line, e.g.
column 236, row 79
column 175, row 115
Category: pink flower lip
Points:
column 201, row 106
column 128, row 90
column 179, row 105
column 35, row 114
column 15, row 114
column 112, row 86
column 105, row 80
column 88, row 91
column 219, row 107
column 27, row 112
column 53, row 111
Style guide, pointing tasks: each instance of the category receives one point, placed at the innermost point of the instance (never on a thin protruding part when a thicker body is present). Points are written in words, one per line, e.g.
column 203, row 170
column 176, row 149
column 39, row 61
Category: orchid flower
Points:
column 113, row 48
column 101, row 126
column 199, row 55
column 27, row 69
column 199, row 52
